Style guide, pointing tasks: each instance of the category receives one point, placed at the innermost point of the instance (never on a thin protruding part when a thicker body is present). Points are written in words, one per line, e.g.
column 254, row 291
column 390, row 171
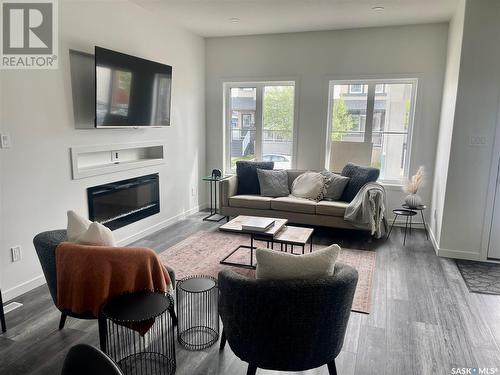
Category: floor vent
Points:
column 11, row 307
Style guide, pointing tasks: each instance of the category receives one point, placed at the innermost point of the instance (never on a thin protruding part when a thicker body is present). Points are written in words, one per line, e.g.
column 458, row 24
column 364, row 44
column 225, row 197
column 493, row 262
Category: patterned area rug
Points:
column 480, row 277
column 201, row 253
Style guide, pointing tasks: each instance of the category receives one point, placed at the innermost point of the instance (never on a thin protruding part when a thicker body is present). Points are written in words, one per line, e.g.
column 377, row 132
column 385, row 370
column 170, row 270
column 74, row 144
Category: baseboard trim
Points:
column 456, row 254
column 22, row 288
column 25, row 287
column 433, row 240
column 161, row 225
column 448, row 253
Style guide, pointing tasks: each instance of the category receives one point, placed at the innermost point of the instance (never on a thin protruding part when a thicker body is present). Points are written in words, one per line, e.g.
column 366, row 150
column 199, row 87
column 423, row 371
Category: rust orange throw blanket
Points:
column 88, row 275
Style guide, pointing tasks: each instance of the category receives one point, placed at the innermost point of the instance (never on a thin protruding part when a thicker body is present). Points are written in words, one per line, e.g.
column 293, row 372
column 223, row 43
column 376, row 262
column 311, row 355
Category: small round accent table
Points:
column 197, row 312
column 406, row 213
column 138, row 332
column 420, row 208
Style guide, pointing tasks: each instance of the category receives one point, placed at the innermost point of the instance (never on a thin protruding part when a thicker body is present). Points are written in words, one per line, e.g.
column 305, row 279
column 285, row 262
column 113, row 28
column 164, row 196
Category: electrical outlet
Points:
column 115, row 156
column 5, row 141
column 15, row 252
column 193, row 191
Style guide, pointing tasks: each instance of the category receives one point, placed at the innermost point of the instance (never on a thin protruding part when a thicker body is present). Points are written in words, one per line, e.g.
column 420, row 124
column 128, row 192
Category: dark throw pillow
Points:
column 273, row 183
column 358, row 176
column 248, row 181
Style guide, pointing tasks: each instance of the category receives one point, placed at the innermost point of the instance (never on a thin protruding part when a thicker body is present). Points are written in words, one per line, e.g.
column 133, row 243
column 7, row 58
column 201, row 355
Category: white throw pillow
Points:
column 310, row 185
column 277, row 265
column 98, row 235
column 85, row 232
column 77, row 225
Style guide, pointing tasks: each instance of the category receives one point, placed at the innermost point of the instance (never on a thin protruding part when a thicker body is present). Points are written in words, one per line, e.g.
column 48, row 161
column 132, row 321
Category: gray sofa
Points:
column 296, row 210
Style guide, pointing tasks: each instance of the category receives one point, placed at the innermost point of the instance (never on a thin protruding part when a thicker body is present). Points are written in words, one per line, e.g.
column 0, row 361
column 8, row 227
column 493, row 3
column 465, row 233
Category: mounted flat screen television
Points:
column 131, row 92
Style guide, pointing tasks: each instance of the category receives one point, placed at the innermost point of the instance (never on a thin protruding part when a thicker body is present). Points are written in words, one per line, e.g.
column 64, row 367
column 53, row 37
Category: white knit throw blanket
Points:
column 367, row 209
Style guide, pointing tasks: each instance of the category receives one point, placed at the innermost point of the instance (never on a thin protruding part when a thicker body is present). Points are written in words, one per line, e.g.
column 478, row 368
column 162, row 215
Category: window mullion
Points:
column 370, row 107
column 259, row 121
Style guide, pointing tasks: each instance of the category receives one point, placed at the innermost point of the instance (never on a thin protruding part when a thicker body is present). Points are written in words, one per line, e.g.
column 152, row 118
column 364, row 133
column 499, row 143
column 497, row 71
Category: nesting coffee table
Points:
column 280, row 233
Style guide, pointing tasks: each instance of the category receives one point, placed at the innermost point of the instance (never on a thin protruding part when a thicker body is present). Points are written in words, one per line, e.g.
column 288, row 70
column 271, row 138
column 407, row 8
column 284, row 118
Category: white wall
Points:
column 36, row 186
column 315, row 57
column 447, row 118
column 475, row 116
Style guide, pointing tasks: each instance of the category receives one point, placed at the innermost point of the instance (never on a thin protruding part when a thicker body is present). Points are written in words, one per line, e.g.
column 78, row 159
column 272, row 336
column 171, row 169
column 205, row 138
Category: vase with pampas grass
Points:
column 413, row 200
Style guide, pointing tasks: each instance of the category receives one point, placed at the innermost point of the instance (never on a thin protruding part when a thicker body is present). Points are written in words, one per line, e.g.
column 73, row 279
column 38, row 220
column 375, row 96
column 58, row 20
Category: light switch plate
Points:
column 5, row 141
column 477, row 140
column 16, row 253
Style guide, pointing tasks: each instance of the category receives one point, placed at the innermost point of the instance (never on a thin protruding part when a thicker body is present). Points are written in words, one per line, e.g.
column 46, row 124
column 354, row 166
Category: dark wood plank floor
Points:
column 423, row 319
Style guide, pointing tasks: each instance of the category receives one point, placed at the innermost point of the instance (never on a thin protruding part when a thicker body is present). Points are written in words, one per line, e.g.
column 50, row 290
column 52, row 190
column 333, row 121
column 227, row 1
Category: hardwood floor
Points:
column 423, row 319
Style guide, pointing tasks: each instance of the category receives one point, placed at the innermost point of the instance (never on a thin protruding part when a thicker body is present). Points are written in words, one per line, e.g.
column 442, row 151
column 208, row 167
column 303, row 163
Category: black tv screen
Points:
column 130, row 91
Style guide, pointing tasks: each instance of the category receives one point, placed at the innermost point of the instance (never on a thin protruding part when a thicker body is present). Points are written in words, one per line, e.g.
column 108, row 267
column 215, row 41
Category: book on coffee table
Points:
column 257, row 224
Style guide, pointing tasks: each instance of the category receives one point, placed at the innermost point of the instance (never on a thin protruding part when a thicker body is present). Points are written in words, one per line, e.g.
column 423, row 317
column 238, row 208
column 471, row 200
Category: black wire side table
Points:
column 197, row 312
column 213, row 181
column 420, row 208
column 137, row 330
column 408, row 214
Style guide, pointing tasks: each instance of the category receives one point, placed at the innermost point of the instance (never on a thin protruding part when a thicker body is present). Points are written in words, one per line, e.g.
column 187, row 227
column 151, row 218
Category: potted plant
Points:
column 413, row 200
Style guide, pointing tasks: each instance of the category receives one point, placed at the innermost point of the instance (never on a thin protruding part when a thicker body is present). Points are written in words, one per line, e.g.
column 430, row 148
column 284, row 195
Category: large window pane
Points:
column 277, row 126
column 348, row 114
column 242, row 134
column 378, row 117
column 391, row 121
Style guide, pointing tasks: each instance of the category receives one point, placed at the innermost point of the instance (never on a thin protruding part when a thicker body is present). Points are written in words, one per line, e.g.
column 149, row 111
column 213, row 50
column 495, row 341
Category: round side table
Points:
column 197, row 312
column 138, row 332
column 408, row 214
column 420, row 208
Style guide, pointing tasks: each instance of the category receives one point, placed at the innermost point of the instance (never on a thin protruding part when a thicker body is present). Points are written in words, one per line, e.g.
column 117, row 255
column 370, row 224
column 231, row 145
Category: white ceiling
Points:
column 210, row 18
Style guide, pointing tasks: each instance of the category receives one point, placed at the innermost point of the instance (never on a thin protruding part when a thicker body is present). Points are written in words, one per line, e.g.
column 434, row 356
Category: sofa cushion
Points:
column 293, row 204
column 292, row 175
column 250, row 201
column 273, row 183
column 335, row 185
column 248, row 182
column 359, row 176
column 331, row 208
column 277, row 265
column 309, row 185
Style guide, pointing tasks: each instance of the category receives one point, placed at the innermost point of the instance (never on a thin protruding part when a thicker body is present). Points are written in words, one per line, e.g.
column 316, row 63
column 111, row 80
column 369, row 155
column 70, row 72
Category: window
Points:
column 355, row 89
column 260, row 123
column 379, row 119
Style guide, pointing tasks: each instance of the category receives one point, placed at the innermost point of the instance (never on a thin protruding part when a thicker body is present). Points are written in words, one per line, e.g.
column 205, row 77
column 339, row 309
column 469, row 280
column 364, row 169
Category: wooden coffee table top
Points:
column 235, row 226
column 294, row 235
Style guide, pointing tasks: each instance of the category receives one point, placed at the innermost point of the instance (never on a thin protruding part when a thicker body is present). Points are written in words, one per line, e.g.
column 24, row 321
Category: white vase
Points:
column 413, row 200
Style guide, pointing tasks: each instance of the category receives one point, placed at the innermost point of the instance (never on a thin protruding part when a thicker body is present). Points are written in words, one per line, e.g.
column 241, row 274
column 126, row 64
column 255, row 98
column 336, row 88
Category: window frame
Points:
column 258, row 117
column 370, row 110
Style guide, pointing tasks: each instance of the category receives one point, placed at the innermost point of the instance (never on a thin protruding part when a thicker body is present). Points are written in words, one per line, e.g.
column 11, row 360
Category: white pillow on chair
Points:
column 77, row 225
column 85, row 232
column 277, row 265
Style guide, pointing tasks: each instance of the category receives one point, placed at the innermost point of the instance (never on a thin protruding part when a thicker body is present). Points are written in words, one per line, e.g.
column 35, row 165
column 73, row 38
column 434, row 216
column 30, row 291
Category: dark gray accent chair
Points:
column 45, row 246
column 84, row 359
column 286, row 325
